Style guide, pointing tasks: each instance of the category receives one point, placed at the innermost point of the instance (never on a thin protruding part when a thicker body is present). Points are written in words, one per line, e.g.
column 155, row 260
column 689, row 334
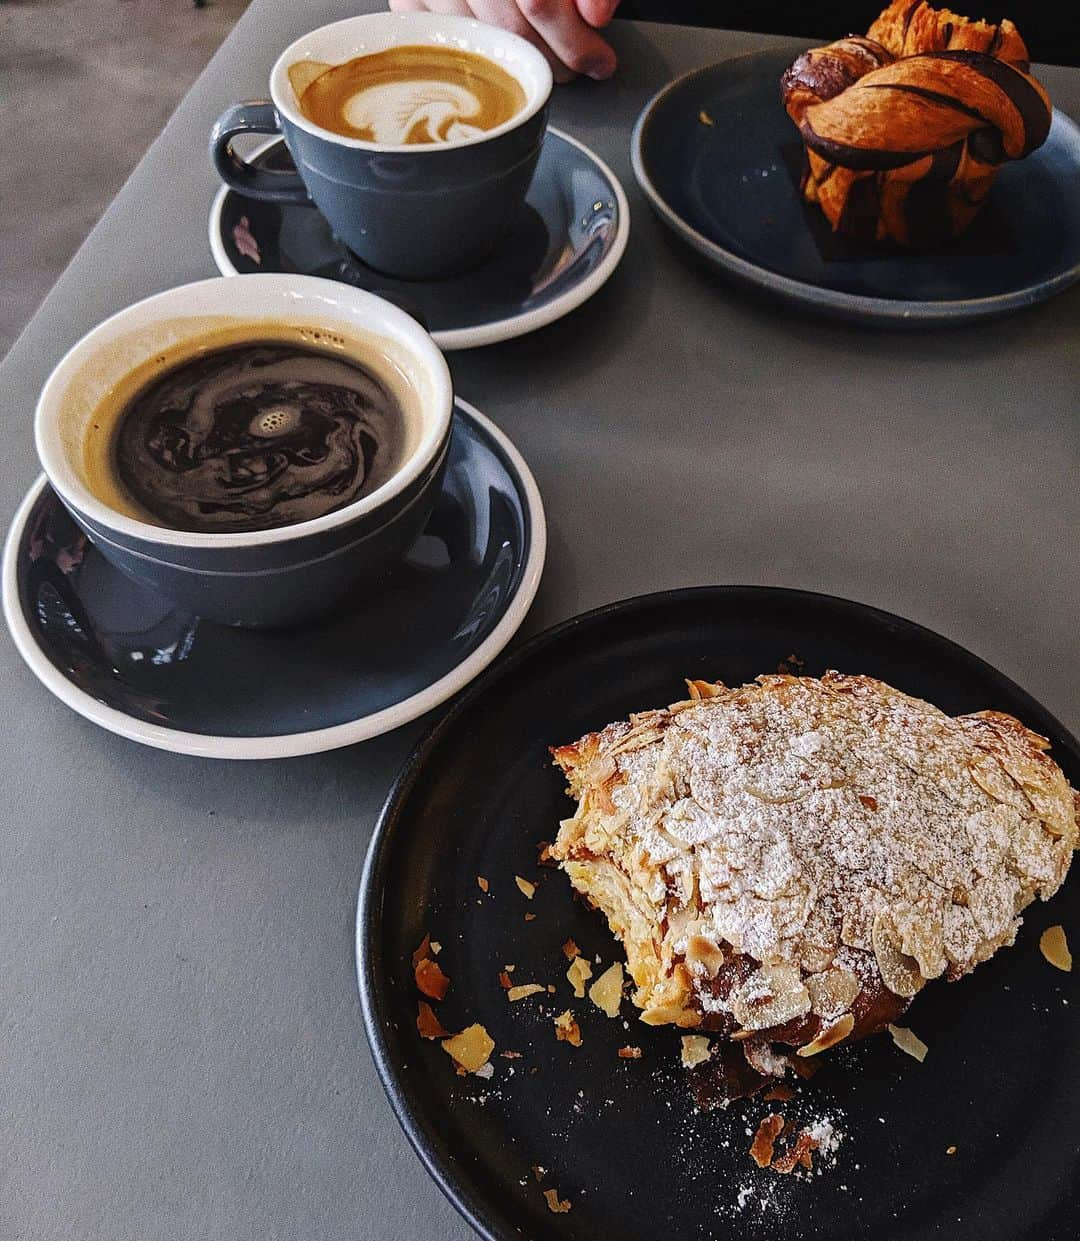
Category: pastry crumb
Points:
column 908, row 1041
column 423, row 951
column 696, row 1049
column 504, row 980
column 482, row 883
column 530, row 917
column 629, row 1053
column 556, row 1205
column 431, row 980
column 427, row 1023
column 606, row 992
column 524, row 990
column 950, row 1150
column 471, row 1049
column 570, row 950
column 779, row 1094
column 577, row 975
column 567, row 1029
column 761, row 1149
column 1055, row 948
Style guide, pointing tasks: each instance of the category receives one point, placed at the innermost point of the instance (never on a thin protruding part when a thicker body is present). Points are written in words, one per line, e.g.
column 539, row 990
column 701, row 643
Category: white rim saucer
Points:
column 292, row 744
column 499, row 329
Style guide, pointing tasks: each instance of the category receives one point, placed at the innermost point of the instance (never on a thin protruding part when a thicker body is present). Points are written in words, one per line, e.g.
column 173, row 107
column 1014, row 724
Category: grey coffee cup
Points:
column 417, row 212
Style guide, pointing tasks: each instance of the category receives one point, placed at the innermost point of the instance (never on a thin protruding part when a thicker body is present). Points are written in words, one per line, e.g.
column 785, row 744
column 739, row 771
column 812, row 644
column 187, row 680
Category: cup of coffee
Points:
column 251, row 449
column 416, row 135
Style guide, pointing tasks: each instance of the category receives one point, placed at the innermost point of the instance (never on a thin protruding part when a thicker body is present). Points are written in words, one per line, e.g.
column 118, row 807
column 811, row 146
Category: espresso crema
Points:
column 252, row 437
column 408, row 95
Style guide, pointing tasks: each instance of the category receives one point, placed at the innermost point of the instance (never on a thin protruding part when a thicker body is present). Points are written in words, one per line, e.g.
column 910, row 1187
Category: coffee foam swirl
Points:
column 407, row 95
column 423, row 111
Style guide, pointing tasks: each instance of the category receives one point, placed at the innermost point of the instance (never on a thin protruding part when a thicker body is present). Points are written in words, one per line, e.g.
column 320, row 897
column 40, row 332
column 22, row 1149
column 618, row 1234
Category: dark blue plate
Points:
column 720, row 161
column 130, row 661
column 623, row 1140
column 567, row 241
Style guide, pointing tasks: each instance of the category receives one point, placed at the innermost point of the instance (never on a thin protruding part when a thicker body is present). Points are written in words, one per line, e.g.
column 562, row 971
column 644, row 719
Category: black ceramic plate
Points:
column 566, row 242
column 720, row 161
column 134, row 663
column 621, row 1139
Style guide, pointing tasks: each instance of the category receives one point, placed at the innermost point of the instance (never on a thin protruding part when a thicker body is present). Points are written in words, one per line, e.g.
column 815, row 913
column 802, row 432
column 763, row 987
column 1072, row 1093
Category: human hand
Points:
column 564, row 30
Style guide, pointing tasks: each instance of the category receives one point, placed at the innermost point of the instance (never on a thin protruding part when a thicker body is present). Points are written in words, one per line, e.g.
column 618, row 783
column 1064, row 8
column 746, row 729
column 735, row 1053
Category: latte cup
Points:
column 263, row 578
column 419, row 211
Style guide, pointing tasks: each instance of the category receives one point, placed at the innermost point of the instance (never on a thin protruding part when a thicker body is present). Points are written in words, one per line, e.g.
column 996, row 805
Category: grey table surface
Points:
column 181, row 1052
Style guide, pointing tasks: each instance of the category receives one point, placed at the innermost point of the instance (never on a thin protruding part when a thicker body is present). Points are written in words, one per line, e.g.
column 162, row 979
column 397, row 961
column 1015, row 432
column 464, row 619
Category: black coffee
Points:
column 253, row 437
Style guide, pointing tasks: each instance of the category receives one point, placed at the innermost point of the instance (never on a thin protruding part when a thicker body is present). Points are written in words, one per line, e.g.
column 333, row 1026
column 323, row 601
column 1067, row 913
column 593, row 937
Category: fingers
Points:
column 571, row 39
column 448, row 8
column 598, row 13
column 505, row 13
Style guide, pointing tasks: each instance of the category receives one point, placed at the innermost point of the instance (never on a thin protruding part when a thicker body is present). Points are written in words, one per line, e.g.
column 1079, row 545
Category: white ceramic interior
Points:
column 170, row 320
column 375, row 32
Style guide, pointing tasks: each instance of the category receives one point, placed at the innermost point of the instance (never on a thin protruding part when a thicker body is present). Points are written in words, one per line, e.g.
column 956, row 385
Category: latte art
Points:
column 408, row 95
column 255, row 437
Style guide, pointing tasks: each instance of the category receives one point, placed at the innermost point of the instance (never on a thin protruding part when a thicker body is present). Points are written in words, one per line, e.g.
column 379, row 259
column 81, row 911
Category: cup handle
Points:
column 256, row 117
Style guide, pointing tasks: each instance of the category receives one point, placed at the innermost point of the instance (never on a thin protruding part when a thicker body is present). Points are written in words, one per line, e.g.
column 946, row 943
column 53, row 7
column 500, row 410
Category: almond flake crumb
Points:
column 482, row 883
column 571, row 950
column 950, row 1150
column 577, row 975
column 705, row 118
column 530, row 917
column 524, row 990
column 696, row 1049
column 510, row 1055
column 471, row 1049
column 761, row 1149
column 556, row 1205
column 486, row 1071
column 909, row 1042
column 606, row 992
column 504, row 981
column 509, row 968
column 431, row 980
column 435, row 948
column 527, row 889
column 567, row 1029
column 427, row 1023
column 1055, row 948
column 629, row 1053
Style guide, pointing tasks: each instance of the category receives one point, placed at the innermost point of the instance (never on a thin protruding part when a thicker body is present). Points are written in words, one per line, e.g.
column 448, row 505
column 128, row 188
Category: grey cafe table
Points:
column 181, row 1054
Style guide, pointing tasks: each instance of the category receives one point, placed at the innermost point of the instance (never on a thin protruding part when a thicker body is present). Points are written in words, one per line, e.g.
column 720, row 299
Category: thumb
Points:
column 597, row 13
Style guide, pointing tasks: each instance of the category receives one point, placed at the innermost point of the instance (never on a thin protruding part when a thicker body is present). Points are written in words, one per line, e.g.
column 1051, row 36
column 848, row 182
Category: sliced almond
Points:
column 527, row 889
column 836, row 1033
column 909, row 1042
column 436, row 948
column 567, row 1029
column 899, row 972
column 704, row 954
column 1055, row 948
column 431, row 980
column 577, row 975
column 471, row 1048
column 606, row 992
column 696, row 1049
column 524, row 990
column 556, row 1205
column 772, row 996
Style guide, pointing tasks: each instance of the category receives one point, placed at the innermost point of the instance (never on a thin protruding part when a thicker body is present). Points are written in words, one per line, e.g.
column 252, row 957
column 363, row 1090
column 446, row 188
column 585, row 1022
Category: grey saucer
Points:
column 720, row 162
column 133, row 663
column 565, row 244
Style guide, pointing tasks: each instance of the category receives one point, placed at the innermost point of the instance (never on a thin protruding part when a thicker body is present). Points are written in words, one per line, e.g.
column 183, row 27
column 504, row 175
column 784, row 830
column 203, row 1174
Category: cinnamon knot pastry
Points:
column 905, row 128
column 788, row 863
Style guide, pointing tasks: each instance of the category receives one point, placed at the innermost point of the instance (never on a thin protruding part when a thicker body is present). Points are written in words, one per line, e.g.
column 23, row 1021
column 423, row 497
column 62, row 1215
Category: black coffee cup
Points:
column 419, row 211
